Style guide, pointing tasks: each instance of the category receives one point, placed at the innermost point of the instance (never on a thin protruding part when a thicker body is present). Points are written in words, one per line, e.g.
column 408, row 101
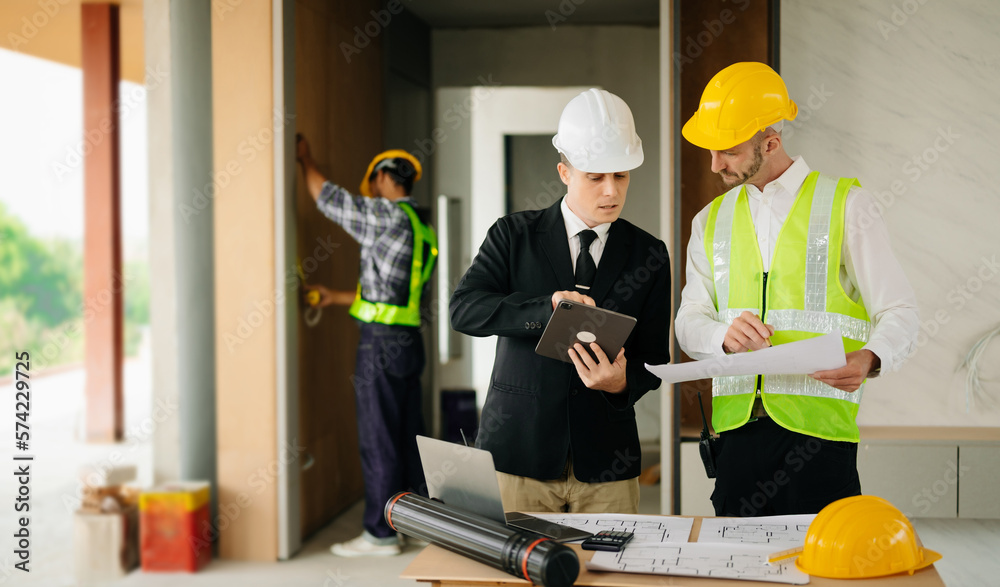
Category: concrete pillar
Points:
column 191, row 92
column 178, row 42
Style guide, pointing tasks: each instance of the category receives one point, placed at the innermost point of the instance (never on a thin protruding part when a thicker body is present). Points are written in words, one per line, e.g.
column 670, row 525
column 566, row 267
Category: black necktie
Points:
column 586, row 269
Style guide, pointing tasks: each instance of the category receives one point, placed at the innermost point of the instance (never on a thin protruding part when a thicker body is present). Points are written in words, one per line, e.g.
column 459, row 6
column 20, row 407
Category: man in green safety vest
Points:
column 398, row 251
column 786, row 254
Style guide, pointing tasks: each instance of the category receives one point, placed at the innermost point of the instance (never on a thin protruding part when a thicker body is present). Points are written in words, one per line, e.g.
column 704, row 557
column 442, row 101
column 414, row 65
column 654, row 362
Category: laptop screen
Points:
column 462, row 477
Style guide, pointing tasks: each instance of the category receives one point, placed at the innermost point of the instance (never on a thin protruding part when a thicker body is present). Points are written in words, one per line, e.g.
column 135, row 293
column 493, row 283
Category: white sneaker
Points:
column 360, row 546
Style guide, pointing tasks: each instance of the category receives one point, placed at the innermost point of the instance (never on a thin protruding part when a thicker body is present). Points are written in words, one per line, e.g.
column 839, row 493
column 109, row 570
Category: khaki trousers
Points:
column 568, row 494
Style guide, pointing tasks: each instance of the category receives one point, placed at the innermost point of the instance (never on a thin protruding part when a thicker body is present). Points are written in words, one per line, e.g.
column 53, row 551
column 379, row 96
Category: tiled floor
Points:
column 970, row 549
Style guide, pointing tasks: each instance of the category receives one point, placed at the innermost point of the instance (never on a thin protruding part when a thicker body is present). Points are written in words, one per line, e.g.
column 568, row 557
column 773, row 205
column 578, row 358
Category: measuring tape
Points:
column 313, row 313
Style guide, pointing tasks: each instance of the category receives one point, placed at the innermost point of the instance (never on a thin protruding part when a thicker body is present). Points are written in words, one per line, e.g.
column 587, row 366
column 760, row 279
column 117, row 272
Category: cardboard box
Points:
column 105, row 545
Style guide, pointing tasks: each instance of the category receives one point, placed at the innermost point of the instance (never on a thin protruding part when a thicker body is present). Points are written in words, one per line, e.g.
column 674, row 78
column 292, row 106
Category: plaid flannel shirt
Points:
column 385, row 234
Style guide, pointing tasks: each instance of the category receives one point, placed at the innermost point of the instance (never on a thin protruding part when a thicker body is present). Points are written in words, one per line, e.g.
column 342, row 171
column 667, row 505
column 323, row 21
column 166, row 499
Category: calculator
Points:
column 607, row 540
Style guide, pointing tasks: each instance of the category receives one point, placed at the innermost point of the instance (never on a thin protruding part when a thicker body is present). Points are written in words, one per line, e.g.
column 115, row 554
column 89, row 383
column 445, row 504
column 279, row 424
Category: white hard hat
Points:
column 597, row 133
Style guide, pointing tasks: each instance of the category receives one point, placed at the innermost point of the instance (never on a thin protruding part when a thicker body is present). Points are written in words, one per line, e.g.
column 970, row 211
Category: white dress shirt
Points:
column 574, row 226
column 868, row 270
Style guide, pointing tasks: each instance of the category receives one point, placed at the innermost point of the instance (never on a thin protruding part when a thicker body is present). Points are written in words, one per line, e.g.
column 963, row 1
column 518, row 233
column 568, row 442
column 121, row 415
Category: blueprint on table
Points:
column 777, row 532
column 647, row 529
column 696, row 559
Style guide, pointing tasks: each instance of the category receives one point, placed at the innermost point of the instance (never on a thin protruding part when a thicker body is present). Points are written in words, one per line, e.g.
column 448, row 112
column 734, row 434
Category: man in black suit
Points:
column 563, row 436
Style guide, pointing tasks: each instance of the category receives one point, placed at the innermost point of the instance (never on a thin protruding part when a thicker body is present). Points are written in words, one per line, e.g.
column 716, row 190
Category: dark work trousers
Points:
column 766, row 470
column 387, row 390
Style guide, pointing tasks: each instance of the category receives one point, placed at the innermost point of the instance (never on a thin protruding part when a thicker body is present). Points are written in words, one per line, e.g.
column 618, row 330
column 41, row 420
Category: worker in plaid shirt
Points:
column 398, row 251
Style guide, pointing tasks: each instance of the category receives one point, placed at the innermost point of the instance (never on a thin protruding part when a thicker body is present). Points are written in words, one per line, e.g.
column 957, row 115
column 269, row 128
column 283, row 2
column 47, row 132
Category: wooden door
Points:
column 339, row 95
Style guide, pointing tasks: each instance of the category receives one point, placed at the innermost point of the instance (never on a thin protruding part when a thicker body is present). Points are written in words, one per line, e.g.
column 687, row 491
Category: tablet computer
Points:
column 573, row 322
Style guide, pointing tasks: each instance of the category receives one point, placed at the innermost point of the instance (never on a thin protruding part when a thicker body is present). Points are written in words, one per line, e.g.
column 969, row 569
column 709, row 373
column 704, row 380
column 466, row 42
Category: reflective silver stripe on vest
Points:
column 721, row 241
column 818, row 243
column 806, row 385
column 737, row 384
column 734, row 385
column 727, row 316
column 820, row 323
column 782, row 384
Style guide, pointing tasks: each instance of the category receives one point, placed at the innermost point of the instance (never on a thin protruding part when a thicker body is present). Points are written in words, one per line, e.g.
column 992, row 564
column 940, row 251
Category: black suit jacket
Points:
column 538, row 411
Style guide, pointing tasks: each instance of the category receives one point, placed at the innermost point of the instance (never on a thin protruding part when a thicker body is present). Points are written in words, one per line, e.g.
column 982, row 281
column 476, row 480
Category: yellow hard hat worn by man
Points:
column 387, row 160
column 739, row 102
column 786, row 254
column 398, row 252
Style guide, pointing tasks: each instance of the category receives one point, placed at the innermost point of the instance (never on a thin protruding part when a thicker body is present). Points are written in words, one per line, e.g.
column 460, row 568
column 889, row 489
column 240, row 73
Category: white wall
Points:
column 903, row 95
column 471, row 168
column 451, row 145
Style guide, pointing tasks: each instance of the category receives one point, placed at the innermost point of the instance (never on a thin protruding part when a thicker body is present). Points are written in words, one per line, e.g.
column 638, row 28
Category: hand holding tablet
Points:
column 575, row 322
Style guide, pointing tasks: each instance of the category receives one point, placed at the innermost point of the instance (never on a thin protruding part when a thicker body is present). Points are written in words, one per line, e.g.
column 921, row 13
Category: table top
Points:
column 436, row 564
column 988, row 435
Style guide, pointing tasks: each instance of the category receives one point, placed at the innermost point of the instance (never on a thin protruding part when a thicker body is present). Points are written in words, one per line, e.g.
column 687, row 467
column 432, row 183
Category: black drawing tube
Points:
column 525, row 555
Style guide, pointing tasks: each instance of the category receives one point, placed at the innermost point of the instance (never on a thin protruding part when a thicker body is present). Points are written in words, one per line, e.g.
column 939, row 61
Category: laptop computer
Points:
column 466, row 478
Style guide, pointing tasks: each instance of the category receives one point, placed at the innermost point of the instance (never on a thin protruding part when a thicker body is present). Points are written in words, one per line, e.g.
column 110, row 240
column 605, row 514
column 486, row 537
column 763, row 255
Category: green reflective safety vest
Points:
column 801, row 297
column 420, row 274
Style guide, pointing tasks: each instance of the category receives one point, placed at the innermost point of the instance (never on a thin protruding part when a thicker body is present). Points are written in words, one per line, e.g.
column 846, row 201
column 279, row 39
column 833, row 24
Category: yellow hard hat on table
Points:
column 366, row 188
column 861, row 537
column 739, row 101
